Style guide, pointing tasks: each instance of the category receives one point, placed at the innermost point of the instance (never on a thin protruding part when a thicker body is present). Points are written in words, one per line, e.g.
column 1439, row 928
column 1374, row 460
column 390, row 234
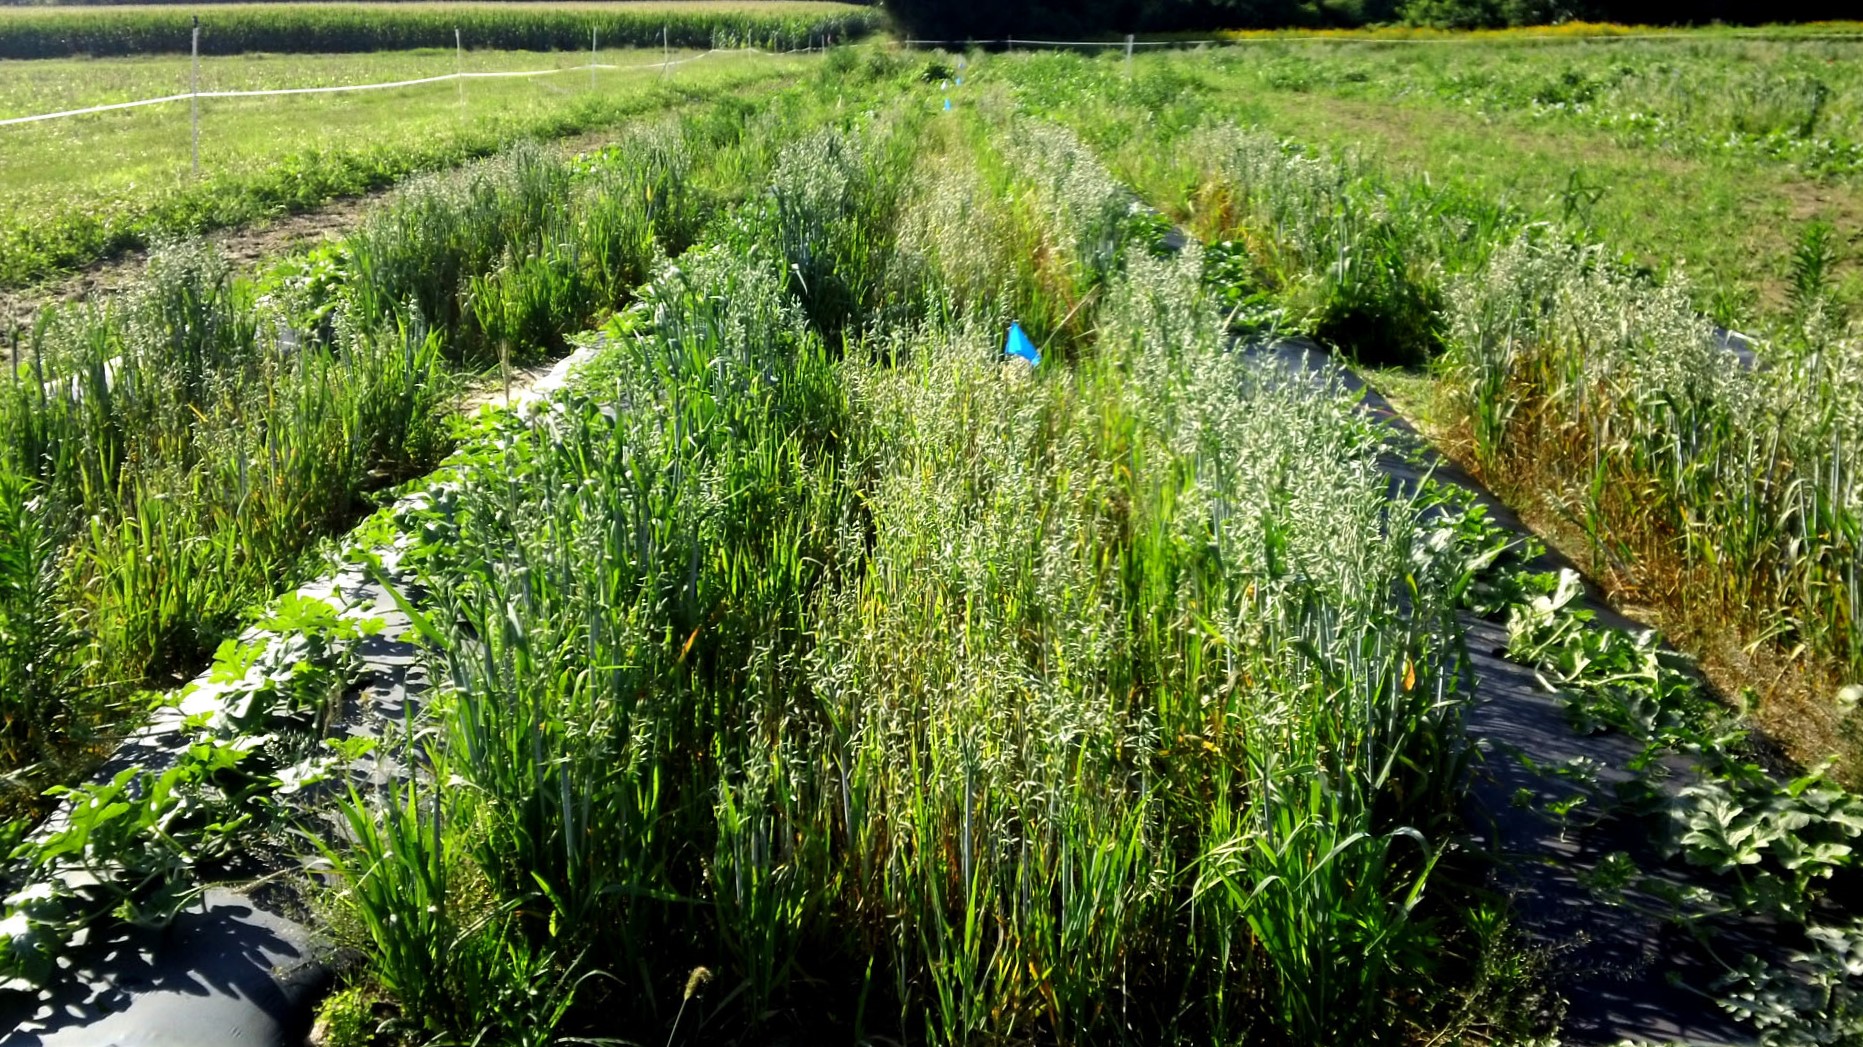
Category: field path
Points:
column 1624, row 972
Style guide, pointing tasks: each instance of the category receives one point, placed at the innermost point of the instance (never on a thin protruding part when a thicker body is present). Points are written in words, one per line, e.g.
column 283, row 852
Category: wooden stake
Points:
column 194, row 102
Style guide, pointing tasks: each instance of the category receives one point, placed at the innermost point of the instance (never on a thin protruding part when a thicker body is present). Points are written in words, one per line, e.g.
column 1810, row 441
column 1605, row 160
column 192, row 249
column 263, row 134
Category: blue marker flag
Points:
column 1019, row 345
column 947, row 105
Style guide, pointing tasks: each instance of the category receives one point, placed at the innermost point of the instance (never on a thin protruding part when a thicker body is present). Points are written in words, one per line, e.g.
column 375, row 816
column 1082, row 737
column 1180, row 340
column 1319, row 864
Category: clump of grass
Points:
column 41, row 650
column 440, row 945
column 1358, row 260
column 584, row 793
column 835, row 196
column 1070, row 725
column 1701, row 483
column 194, row 450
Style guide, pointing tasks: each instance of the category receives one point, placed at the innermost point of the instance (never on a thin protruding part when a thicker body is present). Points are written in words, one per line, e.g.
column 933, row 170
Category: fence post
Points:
column 459, row 64
column 1128, row 55
column 594, row 53
column 194, row 101
column 666, row 54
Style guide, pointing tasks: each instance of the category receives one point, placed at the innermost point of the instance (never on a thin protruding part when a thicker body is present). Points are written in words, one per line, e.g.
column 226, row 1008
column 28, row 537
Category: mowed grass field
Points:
column 1710, row 153
column 76, row 189
column 54, row 85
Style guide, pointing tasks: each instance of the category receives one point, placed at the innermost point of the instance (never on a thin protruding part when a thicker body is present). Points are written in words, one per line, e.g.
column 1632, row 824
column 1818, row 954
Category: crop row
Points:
column 1723, row 492
column 1719, row 485
column 312, row 28
column 809, row 644
column 172, row 455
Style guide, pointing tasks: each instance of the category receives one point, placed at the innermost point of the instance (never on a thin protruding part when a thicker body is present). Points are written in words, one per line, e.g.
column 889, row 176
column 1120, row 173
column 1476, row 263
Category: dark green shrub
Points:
column 1380, row 306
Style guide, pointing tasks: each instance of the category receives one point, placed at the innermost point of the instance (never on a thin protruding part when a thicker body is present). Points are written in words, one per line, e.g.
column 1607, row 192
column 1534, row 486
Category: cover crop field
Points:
column 957, row 589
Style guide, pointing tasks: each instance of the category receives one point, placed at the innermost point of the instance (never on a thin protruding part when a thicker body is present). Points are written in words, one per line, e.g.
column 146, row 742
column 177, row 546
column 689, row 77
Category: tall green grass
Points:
column 189, row 448
column 912, row 694
column 301, row 28
column 506, row 259
column 41, row 666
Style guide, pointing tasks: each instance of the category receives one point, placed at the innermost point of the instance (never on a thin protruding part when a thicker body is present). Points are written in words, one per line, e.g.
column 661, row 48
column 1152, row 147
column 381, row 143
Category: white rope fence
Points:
column 192, row 95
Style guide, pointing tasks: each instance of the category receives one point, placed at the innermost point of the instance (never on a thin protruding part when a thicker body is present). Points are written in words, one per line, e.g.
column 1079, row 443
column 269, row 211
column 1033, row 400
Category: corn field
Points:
column 297, row 28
